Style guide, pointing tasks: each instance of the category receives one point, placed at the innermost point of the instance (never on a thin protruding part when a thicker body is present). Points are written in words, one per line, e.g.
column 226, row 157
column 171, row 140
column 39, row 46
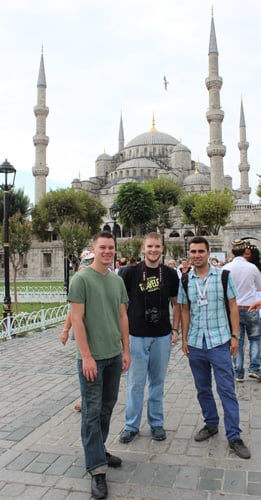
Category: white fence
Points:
column 25, row 322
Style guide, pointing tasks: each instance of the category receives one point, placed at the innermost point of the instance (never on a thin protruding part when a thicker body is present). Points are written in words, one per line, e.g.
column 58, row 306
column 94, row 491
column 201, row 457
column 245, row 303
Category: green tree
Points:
column 213, row 210
column 130, row 248
column 208, row 212
column 20, row 240
column 63, row 206
column 175, row 250
column 18, row 201
column 187, row 204
column 75, row 237
column 137, row 205
column 167, row 195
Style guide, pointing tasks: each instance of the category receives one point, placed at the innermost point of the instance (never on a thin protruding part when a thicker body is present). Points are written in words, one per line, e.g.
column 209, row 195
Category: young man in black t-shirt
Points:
column 150, row 286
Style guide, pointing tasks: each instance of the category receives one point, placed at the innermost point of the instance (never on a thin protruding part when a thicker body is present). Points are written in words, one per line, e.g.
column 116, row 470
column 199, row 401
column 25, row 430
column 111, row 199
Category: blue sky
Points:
column 107, row 56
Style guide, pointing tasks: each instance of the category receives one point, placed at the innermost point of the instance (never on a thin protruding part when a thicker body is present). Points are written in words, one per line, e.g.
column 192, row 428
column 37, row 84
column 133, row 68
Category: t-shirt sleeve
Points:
column 182, row 296
column 76, row 291
column 231, row 288
column 174, row 280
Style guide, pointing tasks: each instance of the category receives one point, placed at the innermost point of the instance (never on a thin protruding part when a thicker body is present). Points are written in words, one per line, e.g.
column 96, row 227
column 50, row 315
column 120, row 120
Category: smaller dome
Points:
column 196, row 180
column 76, row 180
column 104, row 156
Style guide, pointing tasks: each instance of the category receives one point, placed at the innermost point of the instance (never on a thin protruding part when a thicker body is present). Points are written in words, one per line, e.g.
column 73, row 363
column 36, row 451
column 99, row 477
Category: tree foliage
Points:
column 66, row 206
column 137, row 205
column 20, row 240
column 208, row 212
column 130, row 248
column 75, row 237
column 167, row 195
column 18, row 201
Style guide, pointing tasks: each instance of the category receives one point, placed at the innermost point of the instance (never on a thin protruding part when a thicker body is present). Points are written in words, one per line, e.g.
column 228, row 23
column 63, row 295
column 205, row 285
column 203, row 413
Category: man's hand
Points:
column 175, row 337
column 233, row 346
column 185, row 348
column 89, row 368
column 125, row 361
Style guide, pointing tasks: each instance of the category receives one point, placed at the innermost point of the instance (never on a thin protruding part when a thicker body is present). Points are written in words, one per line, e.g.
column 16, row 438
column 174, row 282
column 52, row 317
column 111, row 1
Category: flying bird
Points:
column 165, row 83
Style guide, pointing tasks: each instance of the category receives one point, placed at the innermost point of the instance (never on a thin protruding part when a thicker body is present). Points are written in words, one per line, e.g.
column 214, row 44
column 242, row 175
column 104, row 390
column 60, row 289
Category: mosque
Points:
column 153, row 154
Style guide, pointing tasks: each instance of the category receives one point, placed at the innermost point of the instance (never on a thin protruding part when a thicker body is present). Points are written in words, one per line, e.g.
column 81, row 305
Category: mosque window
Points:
column 145, row 151
column 154, row 150
column 127, row 173
column 47, row 259
column 121, row 173
column 141, row 171
column 130, row 153
column 137, row 151
column 149, row 172
column 134, row 173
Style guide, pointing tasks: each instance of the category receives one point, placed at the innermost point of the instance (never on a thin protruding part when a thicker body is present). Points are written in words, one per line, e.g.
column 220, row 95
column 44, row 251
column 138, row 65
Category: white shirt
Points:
column 247, row 279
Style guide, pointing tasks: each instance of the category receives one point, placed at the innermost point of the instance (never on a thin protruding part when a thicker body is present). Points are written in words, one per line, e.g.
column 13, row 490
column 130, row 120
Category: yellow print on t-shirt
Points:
column 151, row 285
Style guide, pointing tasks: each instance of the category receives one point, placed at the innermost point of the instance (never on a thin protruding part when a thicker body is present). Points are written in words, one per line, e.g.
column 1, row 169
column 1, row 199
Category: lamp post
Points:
column 186, row 236
column 114, row 214
column 6, row 168
column 162, row 227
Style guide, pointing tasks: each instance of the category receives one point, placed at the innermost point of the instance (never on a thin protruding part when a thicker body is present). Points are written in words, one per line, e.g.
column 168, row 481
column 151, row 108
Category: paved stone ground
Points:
column 40, row 449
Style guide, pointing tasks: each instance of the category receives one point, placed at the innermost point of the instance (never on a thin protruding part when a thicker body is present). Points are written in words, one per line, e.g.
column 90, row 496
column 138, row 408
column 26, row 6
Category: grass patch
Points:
column 29, row 307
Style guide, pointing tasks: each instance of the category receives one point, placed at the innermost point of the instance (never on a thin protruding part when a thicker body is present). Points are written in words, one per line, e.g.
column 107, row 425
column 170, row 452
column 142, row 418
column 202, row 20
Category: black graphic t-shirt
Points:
column 150, row 289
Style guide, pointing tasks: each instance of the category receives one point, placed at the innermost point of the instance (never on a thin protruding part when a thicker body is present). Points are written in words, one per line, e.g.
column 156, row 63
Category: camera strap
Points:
column 145, row 282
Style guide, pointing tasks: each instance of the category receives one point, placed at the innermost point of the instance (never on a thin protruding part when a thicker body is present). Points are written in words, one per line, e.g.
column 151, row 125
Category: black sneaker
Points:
column 240, row 448
column 127, row 436
column 112, row 460
column 256, row 375
column 205, row 433
column 99, row 486
column 158, row 434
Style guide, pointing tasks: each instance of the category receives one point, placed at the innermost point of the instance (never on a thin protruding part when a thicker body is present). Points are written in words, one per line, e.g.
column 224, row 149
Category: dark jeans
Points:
column 98, row 400
column 201, row 363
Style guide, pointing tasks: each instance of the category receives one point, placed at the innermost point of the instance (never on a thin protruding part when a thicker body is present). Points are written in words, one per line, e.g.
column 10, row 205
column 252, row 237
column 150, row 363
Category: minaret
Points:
column 243, row 167
column 121, row 136
column 216, row 149
column 40, row 140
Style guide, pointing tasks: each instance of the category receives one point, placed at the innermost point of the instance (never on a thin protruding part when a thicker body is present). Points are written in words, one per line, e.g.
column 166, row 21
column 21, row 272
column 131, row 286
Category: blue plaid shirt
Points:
column 207, row 321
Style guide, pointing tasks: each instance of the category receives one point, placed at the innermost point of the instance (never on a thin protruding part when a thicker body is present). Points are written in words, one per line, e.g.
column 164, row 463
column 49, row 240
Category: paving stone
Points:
column 235, row 481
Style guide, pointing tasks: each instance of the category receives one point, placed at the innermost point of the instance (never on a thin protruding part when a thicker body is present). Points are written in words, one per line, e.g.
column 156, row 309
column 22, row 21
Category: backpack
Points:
column 224, row 279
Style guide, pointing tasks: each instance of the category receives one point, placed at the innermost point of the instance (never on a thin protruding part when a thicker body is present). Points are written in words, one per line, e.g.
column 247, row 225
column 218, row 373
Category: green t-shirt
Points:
column 102, row 296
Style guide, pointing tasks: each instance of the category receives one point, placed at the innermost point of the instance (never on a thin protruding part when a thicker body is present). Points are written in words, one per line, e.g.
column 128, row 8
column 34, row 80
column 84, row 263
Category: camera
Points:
column 152, row 315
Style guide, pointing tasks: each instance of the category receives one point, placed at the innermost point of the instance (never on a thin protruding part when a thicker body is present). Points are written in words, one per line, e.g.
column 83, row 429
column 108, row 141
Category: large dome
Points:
column 152, row 137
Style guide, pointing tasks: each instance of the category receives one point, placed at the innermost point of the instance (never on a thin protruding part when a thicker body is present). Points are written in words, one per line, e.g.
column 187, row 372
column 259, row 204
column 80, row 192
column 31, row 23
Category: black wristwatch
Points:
column 235, row 336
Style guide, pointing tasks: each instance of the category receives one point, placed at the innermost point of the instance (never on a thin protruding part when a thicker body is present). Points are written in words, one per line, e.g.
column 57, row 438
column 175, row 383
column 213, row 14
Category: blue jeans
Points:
column 201, row 363
column 249, row 324
column 149, row 358
column 98, row 400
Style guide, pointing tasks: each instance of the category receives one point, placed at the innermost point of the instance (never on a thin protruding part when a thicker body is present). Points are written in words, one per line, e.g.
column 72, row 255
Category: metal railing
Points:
column 26, row 322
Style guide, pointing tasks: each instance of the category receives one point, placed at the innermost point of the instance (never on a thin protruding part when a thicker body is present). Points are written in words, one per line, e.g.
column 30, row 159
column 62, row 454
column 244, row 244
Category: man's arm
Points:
column 124, row 325
column 234, row 318
column 89, row 366
column 185, row 318
column 176, row 319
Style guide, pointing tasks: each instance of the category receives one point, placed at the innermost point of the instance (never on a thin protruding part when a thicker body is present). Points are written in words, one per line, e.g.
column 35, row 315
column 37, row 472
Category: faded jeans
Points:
column 98, row 400
column 249, row 324
column 149, row 359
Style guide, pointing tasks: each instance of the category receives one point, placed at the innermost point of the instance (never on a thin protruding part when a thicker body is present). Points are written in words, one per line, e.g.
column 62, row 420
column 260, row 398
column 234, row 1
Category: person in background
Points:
column 209, row 344
column 150, row 286
column 247, row 279
column 98, row 301
column 172, row 264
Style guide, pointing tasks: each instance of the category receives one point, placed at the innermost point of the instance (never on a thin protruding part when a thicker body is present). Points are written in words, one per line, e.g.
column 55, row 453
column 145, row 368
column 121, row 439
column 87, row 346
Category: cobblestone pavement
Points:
column 40, row 448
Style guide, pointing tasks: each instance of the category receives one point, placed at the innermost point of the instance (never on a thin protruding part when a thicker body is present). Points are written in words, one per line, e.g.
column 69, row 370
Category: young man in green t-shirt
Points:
column 99, row 318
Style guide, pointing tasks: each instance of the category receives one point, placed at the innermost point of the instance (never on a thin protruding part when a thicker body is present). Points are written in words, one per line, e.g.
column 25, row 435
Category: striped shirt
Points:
column 207, row 321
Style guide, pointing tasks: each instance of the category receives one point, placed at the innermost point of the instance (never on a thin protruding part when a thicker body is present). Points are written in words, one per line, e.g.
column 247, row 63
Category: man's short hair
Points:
column 199, row 239
column 153, row 234
column 103, row 234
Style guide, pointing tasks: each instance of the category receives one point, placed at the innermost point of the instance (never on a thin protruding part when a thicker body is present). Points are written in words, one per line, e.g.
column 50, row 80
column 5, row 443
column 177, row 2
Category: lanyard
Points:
column 202, row 294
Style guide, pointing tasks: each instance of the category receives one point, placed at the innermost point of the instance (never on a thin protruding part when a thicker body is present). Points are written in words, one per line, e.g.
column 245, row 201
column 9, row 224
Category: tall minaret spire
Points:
column 243, row 167
column 216, row 149
column 40, row 140
column 121, row 135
